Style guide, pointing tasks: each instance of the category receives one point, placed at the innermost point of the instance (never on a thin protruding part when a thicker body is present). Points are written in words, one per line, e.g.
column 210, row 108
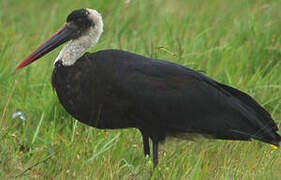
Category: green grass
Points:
column 234, row 42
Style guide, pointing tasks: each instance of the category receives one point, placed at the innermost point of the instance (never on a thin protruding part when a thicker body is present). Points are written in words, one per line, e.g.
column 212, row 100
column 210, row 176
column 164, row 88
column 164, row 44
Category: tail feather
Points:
column 264, row 128
column 274, row 141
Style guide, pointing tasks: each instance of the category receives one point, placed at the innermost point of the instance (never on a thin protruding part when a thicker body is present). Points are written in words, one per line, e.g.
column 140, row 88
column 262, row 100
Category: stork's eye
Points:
column 79, row 20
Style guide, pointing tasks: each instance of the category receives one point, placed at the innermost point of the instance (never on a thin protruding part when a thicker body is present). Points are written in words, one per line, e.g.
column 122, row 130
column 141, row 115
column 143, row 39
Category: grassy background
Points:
column 235, row 42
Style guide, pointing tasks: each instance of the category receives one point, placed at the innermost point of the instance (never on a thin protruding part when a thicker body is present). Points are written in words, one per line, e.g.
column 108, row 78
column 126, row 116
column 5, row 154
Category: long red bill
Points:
column 62, row 35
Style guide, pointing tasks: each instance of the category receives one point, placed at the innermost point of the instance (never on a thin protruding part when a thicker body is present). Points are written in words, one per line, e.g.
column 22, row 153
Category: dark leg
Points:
column 155, row 152
column 145, row 140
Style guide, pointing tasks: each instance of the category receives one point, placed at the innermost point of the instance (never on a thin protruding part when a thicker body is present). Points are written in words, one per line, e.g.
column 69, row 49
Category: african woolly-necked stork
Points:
column 112, row 89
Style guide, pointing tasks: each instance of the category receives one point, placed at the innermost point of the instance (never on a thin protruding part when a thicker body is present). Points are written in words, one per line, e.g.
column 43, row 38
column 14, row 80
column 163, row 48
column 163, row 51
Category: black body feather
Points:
column 116, row 89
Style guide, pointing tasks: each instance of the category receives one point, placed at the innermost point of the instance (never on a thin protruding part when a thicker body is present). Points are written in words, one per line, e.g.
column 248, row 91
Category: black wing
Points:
column 175, row 99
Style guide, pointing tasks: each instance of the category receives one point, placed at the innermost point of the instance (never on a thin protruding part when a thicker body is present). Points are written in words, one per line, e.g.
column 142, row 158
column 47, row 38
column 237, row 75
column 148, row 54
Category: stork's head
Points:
column 83, row 28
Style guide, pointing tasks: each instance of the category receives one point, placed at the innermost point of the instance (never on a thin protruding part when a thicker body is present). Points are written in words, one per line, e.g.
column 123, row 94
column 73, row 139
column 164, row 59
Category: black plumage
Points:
column 114, row 89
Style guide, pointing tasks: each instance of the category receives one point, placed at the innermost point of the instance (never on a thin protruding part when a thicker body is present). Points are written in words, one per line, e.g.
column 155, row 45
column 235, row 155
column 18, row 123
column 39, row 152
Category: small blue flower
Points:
column 18, row 114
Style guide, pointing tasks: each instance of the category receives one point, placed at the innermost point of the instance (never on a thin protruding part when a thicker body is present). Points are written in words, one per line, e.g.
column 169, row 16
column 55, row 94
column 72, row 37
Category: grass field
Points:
column 235, row 42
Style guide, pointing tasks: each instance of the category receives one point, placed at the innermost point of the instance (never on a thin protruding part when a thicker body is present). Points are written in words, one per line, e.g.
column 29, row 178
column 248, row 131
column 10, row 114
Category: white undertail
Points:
column 76, row 48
